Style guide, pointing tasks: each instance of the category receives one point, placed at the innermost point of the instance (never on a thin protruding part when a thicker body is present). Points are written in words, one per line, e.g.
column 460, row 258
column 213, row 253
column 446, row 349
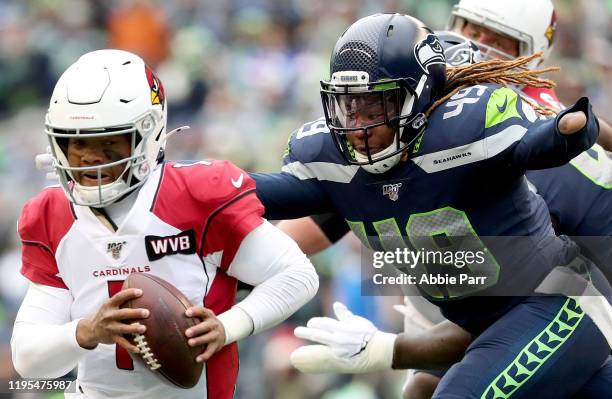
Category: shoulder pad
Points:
column 210, row 182
column 46, row 218
column 466, row 116
column 312, row 142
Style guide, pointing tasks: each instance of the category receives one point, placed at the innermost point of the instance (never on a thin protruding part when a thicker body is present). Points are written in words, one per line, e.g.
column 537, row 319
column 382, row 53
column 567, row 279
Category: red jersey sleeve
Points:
column 234, row 221
column 237, row 214
column 216, row 199
column 40, row 236
column 545, row 97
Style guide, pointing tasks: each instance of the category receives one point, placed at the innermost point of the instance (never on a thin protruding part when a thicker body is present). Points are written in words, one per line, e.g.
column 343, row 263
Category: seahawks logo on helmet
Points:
column 429, row 52
column 463, row 54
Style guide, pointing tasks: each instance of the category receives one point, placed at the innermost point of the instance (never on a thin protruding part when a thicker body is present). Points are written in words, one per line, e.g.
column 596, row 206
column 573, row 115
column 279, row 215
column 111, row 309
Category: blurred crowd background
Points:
column 243, row 74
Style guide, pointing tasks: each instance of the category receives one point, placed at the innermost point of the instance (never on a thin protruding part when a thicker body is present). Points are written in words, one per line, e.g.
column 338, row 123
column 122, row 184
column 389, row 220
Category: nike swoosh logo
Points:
column 238, row 182
column 502, row 109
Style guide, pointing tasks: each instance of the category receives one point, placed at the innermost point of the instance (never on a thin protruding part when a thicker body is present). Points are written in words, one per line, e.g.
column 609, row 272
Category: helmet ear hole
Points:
column 62, row 143
column 161, row 155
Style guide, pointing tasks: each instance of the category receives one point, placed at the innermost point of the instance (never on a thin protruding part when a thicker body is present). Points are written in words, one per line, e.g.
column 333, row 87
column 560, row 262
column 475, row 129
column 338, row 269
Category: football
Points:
column 163, row 346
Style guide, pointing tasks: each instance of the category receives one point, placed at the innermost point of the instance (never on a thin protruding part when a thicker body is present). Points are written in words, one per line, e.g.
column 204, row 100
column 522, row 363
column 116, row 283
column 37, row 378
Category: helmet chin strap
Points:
column 378, row 167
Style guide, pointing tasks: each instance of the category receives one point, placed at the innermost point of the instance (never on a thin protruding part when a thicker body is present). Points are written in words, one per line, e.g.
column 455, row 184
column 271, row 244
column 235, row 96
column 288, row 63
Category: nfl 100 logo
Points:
column 392, row 191
column 114, row 248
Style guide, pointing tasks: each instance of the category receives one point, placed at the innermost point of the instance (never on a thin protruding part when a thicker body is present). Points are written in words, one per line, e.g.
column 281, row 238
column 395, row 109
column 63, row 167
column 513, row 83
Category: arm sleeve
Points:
column 541, row 144
column 286, row 196
column 44, row 341
column 230, row 224
column 283, row 277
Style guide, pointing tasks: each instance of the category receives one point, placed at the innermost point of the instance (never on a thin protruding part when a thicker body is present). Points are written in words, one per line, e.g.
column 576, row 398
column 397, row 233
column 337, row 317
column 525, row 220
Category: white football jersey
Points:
column 185, row 226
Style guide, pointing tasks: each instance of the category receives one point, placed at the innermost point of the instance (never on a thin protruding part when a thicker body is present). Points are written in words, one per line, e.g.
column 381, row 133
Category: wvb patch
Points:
column 182, row 243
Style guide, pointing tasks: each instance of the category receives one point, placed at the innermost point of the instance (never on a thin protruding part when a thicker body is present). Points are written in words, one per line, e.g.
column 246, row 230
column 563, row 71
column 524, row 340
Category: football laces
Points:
column 145, row 352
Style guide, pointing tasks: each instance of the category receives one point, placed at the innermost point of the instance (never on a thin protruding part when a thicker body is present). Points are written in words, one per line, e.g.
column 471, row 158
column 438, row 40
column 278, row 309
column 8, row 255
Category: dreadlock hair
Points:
column 504, row 72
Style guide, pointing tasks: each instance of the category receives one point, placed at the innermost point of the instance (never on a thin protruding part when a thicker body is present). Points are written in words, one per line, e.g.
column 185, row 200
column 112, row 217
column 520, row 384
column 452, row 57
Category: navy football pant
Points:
column 545, row 347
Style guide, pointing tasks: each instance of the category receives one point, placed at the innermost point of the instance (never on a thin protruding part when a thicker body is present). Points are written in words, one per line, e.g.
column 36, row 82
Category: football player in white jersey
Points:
column 120, row 210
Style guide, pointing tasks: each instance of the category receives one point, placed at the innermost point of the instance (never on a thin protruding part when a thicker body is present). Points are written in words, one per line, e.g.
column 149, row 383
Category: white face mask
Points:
column 100, row 196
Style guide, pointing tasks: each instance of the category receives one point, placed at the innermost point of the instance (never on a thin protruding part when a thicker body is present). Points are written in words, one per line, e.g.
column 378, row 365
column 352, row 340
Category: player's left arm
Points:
column 352, row 344
column 548, row 143
column 283, row 277
column 284, row 280
column 244, row 245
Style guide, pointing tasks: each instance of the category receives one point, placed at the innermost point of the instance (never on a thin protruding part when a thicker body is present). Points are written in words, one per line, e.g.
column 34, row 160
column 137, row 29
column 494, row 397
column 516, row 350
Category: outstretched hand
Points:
column 346, row 344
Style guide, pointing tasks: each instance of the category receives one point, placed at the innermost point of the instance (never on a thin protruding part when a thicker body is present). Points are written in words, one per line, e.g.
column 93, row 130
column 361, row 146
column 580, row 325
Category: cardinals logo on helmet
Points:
column 550, row 31
column 157, row 89
column 429, row 52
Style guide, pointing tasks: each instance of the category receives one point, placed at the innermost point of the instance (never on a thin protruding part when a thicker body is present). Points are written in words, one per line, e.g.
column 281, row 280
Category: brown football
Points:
column 163, row 347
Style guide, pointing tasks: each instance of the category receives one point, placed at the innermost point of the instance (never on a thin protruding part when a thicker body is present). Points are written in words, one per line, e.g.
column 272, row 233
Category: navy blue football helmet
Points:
column 386, row 69
column 458, row 50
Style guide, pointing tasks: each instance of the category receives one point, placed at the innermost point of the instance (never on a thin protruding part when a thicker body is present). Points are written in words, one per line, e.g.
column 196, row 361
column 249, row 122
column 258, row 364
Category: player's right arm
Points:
column 44, row 341
column 298, row 190
column 286, row 196
column 497, row 126
column 106, row 325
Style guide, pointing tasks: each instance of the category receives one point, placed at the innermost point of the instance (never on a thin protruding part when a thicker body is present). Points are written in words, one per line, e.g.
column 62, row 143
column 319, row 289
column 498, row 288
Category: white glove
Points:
column 351, row 344
column 413, row 319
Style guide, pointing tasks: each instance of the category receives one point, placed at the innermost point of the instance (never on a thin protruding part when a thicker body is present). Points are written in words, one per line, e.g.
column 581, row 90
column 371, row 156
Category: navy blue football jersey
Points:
column 463, row 187
column 579, row 197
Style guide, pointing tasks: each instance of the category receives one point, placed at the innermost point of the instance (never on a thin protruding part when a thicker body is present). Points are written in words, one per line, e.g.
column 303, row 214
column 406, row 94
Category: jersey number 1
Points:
column 122, row 357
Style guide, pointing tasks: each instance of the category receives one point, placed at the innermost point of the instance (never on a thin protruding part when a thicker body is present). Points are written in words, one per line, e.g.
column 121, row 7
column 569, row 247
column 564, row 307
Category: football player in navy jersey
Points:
column 579, row 198
column 502, row 30
column 401, row 171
